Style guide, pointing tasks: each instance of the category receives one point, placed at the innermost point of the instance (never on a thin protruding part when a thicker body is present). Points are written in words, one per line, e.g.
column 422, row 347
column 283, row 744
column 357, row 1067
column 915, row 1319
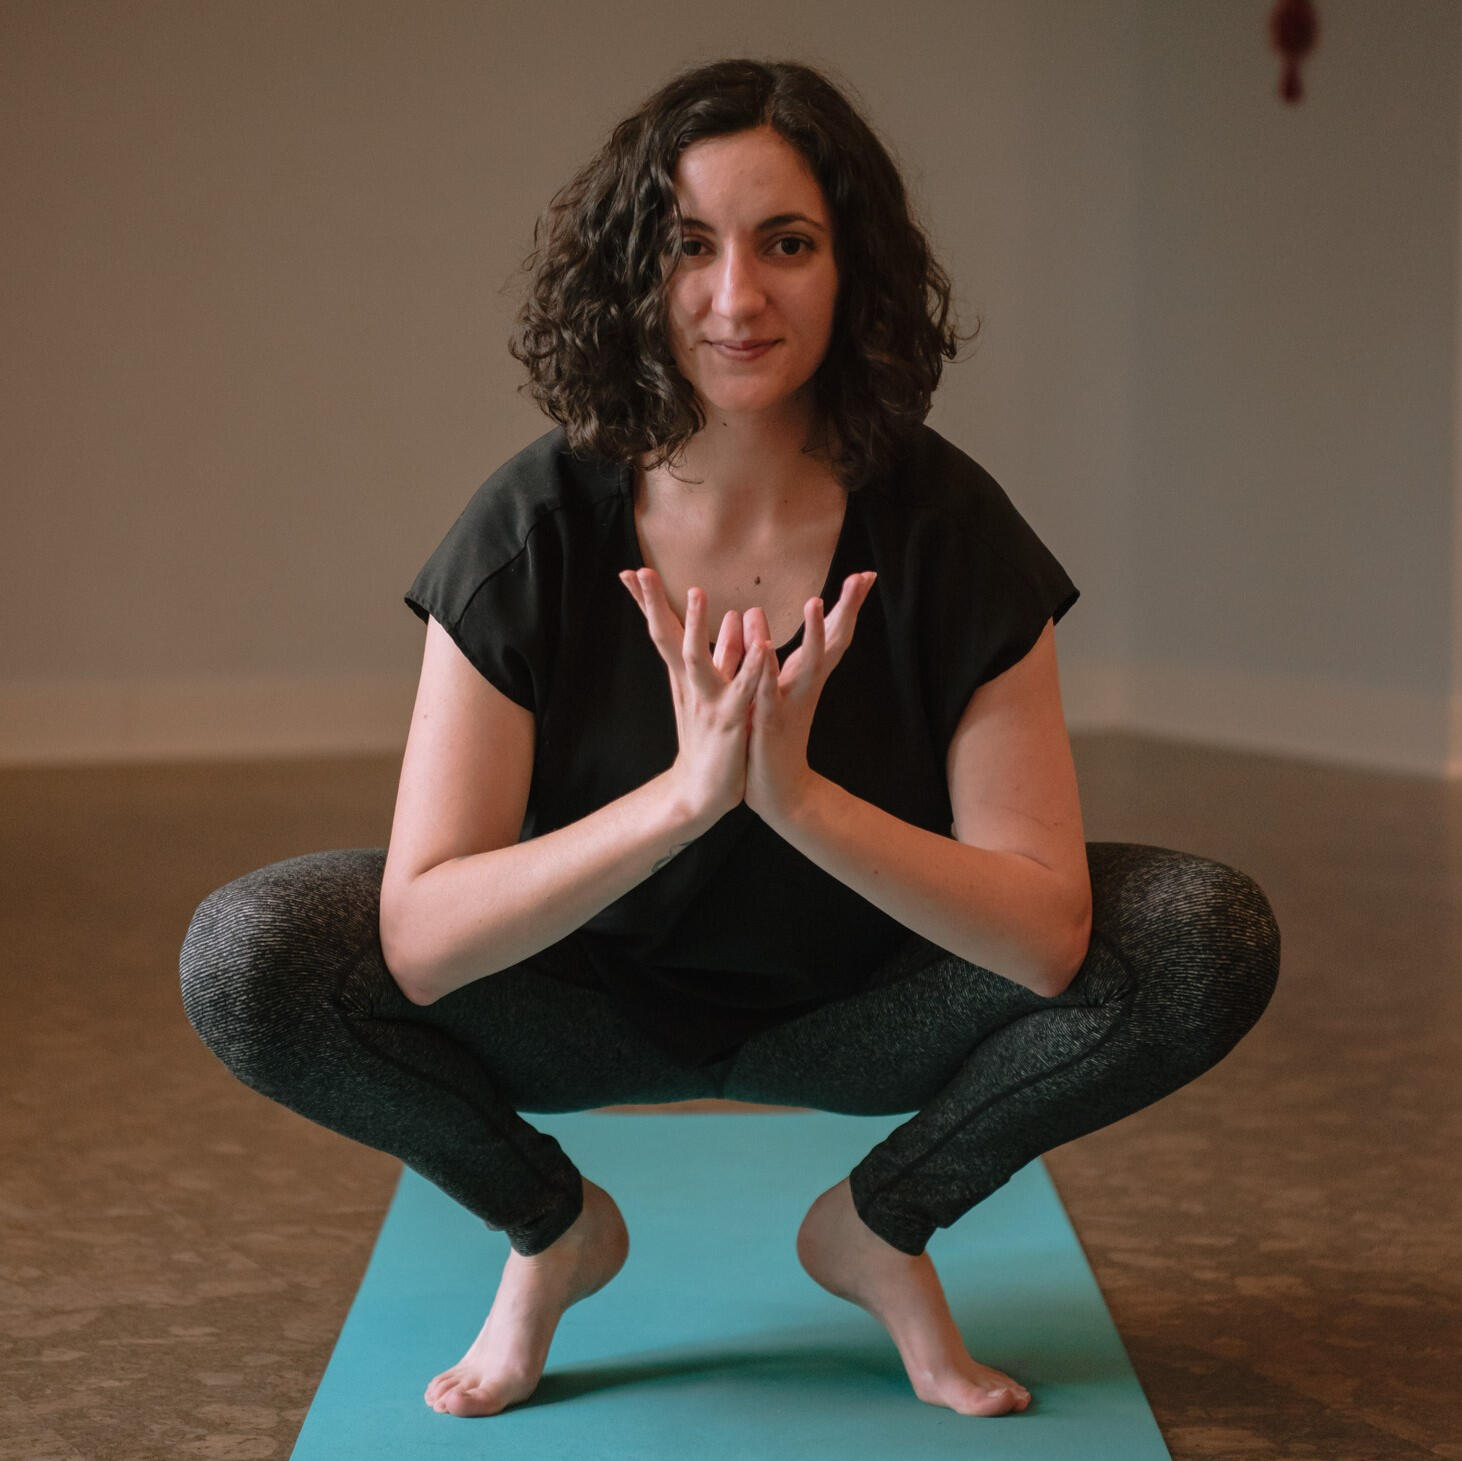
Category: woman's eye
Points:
column 783, row 248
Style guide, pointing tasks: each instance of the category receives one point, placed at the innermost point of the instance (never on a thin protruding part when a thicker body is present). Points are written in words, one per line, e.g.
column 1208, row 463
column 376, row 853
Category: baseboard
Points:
column 203, row 719
column 1454, row 748
column 213, row 719
column 1312, row 720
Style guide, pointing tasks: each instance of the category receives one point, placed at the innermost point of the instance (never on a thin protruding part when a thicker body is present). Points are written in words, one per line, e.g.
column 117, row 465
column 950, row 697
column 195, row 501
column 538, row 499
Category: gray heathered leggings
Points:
column 283, row 978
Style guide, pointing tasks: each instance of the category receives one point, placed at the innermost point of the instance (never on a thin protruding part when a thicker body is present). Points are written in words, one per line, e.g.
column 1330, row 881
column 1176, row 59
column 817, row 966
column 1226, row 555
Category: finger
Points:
column 695, row 653
column 767, row 695
column 754, row 626
column 814, row 629
column 805, row 666
column 628, row 579
column 748, row 677
column 692, row 641
column 652, row 593
column 665, row 627
column 730, row 647
column 839, row 631
column 751, row 675
column 856, row 588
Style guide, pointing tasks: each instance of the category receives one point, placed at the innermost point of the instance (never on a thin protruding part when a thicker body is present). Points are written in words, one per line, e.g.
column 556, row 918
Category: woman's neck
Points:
column 747, row 466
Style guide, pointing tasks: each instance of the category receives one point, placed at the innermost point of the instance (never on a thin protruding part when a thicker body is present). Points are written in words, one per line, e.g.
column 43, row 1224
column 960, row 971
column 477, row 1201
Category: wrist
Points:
column 685, row 810
column 795, row 807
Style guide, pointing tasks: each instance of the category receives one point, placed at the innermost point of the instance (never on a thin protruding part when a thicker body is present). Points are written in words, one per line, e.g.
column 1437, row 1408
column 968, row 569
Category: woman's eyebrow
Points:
column 779, row 220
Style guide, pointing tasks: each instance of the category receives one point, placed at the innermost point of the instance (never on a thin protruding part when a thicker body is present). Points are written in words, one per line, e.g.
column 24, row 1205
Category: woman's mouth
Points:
column 742, row 349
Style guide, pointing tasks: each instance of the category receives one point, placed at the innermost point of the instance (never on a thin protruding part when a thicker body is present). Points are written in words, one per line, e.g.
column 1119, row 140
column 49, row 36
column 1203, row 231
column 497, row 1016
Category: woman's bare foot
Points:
column 506, row 1360
column 844, row 1255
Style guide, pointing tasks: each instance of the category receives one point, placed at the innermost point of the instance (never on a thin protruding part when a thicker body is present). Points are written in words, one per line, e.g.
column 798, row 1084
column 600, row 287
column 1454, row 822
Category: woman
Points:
column 712, row 673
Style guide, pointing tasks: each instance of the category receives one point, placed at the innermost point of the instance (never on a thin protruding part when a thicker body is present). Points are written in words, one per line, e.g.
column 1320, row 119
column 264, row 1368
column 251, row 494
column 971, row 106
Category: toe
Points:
column 442, row 1391
column 473, row 1400
column 987, row 1400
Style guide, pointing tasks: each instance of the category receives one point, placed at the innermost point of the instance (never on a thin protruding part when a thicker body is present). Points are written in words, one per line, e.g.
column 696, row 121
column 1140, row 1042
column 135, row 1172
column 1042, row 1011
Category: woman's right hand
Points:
column 712, row 691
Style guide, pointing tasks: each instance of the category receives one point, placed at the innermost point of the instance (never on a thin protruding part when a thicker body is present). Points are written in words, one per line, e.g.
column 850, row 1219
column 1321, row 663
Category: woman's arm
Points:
column 1010, row 891
column 462, row 897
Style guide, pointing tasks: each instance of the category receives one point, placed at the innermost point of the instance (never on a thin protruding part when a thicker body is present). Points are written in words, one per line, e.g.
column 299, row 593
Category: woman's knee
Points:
column 265, row 954
column 1197, row 940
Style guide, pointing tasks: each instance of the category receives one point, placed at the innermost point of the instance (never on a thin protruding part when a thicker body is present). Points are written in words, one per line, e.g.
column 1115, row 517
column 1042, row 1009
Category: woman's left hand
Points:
column 784, row 702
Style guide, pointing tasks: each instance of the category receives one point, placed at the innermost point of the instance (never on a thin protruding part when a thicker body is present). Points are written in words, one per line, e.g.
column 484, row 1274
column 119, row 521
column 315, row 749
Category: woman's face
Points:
column 751, row 301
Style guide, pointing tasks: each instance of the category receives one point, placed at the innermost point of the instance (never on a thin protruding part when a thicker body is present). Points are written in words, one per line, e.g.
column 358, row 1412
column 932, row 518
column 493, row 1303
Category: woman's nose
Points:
column 738, row 292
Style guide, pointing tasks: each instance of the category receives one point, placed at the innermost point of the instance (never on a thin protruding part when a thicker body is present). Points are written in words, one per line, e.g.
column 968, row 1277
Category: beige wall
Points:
column 1295, row 374
column 251, row 294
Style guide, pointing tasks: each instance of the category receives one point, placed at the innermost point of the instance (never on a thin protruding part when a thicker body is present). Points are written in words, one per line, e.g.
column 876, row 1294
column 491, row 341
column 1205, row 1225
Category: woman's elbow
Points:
column 413, row 986
column 1068, row 949
column 401, row 952
column 408, row 976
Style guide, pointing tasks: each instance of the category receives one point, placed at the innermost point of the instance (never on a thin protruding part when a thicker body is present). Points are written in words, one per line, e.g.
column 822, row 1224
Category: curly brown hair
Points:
column 592, row 332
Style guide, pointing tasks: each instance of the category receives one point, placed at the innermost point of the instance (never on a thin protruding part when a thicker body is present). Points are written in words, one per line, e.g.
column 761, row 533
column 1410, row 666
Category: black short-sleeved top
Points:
column 739, row 931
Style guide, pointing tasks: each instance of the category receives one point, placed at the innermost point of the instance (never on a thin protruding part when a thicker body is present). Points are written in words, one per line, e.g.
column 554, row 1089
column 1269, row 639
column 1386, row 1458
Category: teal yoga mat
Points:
column 712, row 1343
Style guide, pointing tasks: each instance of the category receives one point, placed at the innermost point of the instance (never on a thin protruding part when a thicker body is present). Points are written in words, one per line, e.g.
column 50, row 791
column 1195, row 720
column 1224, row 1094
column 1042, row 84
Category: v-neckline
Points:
column 635, row 552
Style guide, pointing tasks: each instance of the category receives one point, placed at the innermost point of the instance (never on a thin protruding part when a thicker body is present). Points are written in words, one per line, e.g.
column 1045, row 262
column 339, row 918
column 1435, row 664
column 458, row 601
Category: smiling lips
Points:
column 743, row 349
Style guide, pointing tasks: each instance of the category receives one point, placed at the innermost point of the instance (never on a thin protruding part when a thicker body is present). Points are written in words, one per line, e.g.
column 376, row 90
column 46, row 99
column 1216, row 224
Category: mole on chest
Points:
column 781, row 602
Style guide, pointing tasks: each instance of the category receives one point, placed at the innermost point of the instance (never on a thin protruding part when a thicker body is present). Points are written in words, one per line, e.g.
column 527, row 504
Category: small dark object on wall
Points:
column 1293, row 28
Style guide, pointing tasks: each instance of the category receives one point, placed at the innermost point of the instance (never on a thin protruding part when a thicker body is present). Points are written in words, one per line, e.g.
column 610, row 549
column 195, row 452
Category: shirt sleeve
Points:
column 989, row 586
column 491, row 585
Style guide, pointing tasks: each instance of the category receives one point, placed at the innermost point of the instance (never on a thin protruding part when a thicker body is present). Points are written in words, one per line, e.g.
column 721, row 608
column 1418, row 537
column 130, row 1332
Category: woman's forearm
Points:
column 1001, row 910
column 473, row 916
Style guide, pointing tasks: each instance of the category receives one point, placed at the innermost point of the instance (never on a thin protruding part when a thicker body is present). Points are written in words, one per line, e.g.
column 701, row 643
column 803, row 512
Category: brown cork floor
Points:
column 1279, row 1243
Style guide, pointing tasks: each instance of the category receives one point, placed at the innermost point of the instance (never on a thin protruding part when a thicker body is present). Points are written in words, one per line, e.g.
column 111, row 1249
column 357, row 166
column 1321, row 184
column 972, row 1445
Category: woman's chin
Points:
column 753, row 407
